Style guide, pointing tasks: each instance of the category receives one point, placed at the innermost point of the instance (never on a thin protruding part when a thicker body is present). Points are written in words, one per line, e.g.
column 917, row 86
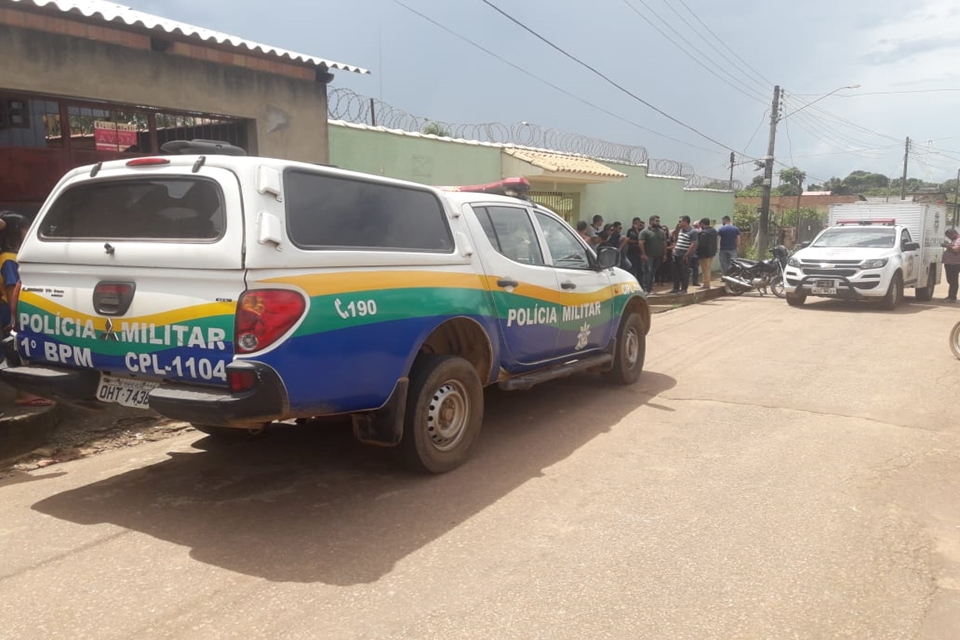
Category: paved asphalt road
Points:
column 777, row 473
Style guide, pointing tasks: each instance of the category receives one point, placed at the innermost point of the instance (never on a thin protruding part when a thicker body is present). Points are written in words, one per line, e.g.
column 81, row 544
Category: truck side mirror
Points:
column 608, row 257
column 911, row 246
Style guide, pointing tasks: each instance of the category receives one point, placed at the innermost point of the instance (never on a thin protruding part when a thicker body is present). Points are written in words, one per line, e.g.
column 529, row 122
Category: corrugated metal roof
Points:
column 116, row 13
column 564, row 163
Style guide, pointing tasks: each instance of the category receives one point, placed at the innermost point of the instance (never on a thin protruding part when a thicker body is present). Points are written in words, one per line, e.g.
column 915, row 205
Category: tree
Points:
column 791, row 181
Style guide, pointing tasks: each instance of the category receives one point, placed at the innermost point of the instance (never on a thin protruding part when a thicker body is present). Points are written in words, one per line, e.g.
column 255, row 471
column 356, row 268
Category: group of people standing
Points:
column 653, row 253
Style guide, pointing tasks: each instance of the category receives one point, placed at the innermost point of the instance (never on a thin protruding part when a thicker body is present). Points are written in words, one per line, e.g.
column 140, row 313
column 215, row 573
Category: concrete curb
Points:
column 23, row 429
column 665, row 302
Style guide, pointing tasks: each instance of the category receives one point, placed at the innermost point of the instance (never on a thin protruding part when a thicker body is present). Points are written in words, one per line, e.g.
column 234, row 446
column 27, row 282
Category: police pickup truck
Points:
column 232, row 291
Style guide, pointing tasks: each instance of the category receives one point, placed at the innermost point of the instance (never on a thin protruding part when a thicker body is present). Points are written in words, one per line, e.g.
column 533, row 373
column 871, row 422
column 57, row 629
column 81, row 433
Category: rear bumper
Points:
column 264, row 402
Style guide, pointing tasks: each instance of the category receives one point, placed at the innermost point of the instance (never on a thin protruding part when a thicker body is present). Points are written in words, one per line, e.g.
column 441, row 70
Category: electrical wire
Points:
column 604, row 76
column 548, row 83
column 764, row 82
column 755, row 95
column 757, row 130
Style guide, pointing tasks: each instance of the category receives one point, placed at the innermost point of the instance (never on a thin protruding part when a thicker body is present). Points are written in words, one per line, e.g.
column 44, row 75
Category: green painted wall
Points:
column 641, row 195
column 439, row 162
column 424, row 160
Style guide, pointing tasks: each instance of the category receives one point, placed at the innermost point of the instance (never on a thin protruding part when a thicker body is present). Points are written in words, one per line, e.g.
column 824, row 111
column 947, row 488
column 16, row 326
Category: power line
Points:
column 884, row 93
column 548, row 83
column 852, row 124
column 832, row 137
column 763, row 119
column 602, row 75
column 753, row 96
column 762, row 82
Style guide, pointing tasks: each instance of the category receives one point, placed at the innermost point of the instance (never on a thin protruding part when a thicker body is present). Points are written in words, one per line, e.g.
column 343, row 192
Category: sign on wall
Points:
column 114, row 136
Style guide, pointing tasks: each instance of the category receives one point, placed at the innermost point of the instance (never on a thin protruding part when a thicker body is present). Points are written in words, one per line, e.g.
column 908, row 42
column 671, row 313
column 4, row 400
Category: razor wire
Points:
column 346, row 105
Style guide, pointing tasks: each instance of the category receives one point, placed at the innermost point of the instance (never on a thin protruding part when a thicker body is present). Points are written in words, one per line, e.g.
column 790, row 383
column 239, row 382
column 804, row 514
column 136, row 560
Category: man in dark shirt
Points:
column 633, row 250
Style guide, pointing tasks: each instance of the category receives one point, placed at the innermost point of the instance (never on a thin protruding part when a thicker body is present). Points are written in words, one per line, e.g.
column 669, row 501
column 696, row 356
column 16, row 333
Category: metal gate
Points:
column 564, row 204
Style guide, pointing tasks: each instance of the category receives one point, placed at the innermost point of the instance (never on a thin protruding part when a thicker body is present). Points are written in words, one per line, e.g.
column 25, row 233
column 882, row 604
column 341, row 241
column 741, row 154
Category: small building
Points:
column 85, row 81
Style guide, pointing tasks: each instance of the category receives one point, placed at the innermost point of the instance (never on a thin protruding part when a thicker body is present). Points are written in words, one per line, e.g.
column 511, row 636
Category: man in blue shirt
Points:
column 729, row 243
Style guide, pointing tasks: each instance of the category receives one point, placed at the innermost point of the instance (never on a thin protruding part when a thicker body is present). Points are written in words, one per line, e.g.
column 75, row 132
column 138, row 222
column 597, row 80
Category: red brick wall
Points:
column 789, row 203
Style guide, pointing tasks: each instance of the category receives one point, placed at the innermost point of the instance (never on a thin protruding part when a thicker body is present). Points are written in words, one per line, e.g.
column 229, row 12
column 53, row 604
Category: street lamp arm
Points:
column 826, row 95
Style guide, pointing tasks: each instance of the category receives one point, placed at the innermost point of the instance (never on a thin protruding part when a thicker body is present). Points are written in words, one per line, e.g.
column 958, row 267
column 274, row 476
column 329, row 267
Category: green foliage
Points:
column 745, row 216
column 791, row 181
column 436, row 129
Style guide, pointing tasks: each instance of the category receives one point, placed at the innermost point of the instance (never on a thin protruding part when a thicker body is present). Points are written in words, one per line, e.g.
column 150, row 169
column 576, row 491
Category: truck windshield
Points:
column 862, row 237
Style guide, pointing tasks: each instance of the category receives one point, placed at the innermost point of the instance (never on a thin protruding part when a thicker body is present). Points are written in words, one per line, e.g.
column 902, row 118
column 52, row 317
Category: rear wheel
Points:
column 955, row 340
column 894, row 294
column 631, row 351
column 444, row 414
column 925, row 294
column 733, row 289
column 796, row 299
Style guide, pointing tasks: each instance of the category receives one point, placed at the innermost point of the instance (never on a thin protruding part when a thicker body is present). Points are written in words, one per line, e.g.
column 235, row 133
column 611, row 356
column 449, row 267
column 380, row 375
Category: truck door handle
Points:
column 567, row 285
column 507, row 282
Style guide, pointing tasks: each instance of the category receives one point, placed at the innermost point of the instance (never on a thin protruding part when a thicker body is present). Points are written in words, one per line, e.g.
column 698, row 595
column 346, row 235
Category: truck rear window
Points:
column 163, row 209
column 329, row 212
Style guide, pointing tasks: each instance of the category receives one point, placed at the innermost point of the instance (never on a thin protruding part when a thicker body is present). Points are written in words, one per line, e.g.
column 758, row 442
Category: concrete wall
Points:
column 427, row 160
column 430, row 160
column 789, row 203
column 640, row 195
column 290, row 113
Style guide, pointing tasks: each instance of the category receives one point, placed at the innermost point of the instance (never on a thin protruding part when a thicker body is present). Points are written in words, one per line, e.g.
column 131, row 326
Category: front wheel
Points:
column 631, row 351
column 444, row 413
column 955, row 340
column 894, row 294
column 776, row 286
column 796, row 299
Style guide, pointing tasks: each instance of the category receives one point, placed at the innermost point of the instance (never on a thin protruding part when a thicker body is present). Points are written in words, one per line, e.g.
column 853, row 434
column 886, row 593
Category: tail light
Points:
column 15, row 298
column 264, row 315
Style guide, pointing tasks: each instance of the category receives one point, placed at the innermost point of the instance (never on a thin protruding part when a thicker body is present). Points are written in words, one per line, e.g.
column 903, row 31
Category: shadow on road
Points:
column 909, row 307
column 313, row 505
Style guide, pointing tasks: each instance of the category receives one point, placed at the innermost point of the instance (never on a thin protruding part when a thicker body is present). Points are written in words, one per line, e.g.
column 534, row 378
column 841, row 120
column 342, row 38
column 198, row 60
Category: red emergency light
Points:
column 866, row 223
column 515, row 187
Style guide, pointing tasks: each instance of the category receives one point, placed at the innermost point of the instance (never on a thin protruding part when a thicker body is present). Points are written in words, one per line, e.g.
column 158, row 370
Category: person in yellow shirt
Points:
column 13, row 229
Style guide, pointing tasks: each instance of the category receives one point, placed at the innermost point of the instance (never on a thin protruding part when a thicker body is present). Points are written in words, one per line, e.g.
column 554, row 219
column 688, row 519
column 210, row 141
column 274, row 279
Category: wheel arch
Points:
column 640, row 306
column 464, row 337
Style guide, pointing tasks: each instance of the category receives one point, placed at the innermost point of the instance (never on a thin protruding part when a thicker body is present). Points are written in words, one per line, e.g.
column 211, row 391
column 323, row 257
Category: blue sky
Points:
column 902, row 54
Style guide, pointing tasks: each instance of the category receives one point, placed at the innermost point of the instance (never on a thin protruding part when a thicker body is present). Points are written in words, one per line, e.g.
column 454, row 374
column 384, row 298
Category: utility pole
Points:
column 956, row 201
column 796, row 236
column 733, row 159
column 903, row 182
column 763, row 236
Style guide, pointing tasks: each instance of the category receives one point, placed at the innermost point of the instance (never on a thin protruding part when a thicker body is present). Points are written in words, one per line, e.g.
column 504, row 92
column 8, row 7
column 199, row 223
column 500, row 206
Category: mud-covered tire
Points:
column 444, row 414
column 796, row 300
column 894, row 294
column 230, row 432
column 631, row 351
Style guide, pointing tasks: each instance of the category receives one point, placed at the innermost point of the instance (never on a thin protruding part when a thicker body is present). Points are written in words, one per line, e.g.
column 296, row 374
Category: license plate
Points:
column 824, row 288
column 129, row 393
